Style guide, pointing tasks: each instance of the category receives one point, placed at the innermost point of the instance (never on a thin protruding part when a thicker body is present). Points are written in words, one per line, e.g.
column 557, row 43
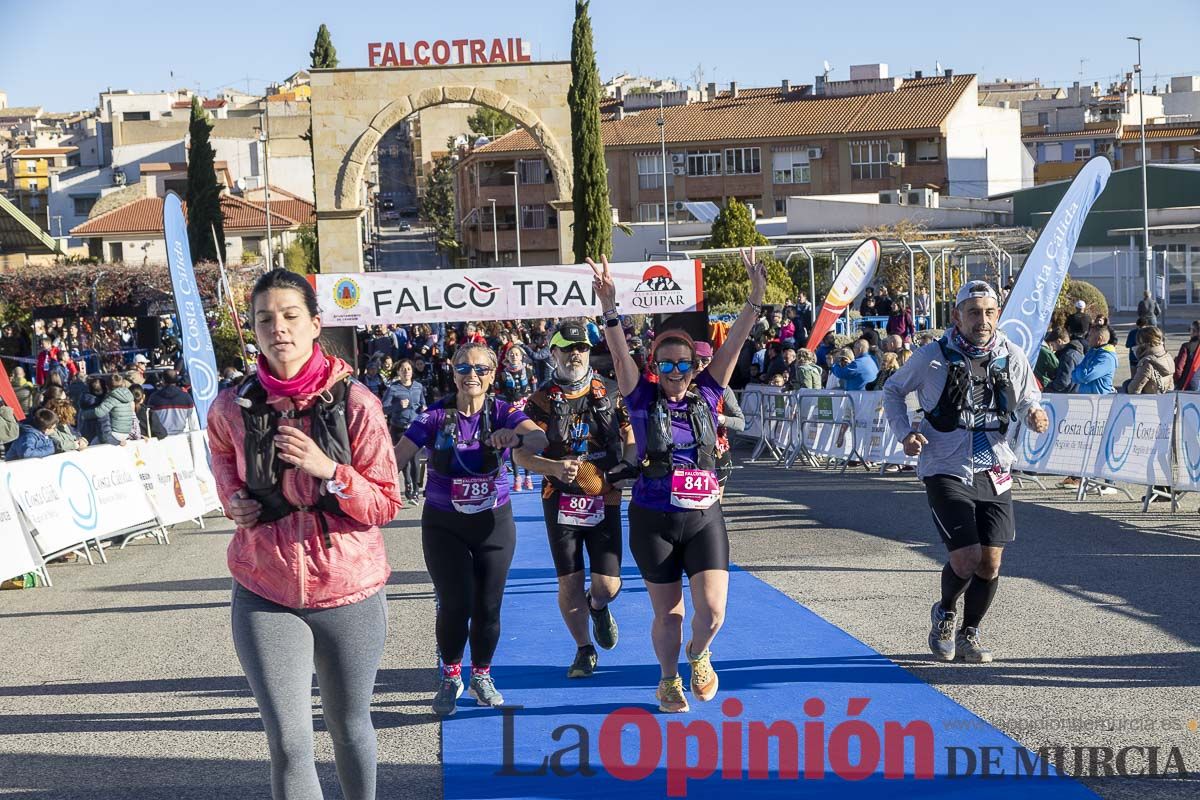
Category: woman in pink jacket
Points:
column 304, row 466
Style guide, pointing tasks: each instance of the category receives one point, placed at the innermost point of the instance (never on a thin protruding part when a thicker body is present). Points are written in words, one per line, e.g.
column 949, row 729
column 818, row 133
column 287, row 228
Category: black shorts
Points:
column 567, row 542
column 966, row 515
column 724, row 468
column 666, row 545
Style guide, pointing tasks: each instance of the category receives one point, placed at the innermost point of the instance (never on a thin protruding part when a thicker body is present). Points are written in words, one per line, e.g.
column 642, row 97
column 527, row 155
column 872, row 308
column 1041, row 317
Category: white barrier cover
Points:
column 202, row 467
column 1067, row 447
column 1136, row 444
column 873, row 435
column 70, row 498
column 757, row 400
column 1187, row 442
column 18, row 553
column 827, row 421
column 165, row 469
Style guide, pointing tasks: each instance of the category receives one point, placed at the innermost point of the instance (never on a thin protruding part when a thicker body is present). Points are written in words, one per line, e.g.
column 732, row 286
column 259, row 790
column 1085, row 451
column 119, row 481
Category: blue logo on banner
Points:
column 1034, row 452
column 1191, row 439
column 197, row 343
column 88, row 517
column 1114, row 460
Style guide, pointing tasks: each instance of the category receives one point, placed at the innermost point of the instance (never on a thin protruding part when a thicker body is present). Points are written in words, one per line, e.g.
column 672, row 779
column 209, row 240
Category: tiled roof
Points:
column 764, row 114
column 1175, row 130
column 300, row 211
column 20, row 112
column 31, row 152
column 205, row 103
column 145, row 216
column 1092, row 130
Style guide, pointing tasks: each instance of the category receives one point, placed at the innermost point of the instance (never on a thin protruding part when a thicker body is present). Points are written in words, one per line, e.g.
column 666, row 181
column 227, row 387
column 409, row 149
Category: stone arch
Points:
column 350, row 172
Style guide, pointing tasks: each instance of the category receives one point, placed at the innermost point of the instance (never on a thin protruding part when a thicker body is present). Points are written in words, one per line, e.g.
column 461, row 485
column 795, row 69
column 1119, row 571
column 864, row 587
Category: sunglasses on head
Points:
column 465, row 369
column 667, row 367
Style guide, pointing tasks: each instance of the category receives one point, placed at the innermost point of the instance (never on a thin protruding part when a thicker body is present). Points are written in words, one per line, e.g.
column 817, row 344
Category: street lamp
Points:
column 517, row 203
column 1149, row 255
column 495, row 235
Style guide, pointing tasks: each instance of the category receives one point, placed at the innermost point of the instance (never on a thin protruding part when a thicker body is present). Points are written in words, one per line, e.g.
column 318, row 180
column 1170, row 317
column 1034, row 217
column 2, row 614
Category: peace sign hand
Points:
column 757, row 271
column 603, row 284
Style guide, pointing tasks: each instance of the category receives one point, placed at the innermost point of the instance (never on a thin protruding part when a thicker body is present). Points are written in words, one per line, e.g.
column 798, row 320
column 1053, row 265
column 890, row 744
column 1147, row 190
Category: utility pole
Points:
column 662, row 135
column 265, row 138
column 1149, row 254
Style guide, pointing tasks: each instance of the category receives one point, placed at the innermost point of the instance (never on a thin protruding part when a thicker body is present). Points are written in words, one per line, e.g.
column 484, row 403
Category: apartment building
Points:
column 760, row 145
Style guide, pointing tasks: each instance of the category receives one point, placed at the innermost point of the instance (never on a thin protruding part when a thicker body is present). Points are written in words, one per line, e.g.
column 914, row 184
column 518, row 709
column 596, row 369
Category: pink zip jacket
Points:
column 288, row 561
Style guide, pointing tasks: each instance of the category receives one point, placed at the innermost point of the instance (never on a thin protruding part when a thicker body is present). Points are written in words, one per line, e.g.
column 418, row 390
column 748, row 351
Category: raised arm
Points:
column 626, row 368
column 725, row 359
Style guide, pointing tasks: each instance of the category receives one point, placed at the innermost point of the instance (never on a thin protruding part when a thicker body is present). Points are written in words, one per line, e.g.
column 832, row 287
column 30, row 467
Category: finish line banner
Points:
column 457, row 295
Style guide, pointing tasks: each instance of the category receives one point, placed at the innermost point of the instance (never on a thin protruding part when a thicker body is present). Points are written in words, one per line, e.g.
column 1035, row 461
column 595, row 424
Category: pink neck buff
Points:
column 309, row 380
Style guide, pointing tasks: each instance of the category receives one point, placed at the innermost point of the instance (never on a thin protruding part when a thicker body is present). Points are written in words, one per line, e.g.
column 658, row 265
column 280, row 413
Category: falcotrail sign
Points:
column 456, row 295
column 442, row 52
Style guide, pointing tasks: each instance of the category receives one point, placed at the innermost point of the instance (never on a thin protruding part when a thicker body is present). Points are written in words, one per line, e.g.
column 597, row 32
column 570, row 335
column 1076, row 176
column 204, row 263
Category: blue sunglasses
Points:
column 667, row 367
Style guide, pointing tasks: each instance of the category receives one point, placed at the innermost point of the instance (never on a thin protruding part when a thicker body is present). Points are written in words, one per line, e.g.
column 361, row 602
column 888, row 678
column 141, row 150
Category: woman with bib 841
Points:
column 467, row 528
column 676, row 526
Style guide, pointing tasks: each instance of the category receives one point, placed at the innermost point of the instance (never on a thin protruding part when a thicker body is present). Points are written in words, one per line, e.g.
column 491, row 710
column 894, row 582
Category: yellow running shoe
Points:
column 704, row 677
column 671, row 699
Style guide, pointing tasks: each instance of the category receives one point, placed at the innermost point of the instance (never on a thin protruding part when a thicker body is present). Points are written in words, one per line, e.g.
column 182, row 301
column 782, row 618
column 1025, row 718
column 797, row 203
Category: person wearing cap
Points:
column 588, row 430
column 676, row 525
column 972, row 383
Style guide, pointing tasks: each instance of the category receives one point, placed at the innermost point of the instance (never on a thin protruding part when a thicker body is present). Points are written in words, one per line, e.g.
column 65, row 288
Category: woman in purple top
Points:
column 675, row 520
column 467, row 528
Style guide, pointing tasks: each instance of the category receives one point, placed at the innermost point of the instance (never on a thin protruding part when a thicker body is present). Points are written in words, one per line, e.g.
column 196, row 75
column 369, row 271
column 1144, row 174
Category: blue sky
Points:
column 62, row 54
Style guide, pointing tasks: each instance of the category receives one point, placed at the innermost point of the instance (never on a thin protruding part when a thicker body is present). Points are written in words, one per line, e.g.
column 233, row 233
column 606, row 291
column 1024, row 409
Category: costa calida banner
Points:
column 855, row 276
column 457, row 295
column 1026, row 315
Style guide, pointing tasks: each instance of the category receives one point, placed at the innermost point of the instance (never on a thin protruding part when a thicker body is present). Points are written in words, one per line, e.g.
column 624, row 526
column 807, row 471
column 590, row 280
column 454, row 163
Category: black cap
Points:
column 569, row 333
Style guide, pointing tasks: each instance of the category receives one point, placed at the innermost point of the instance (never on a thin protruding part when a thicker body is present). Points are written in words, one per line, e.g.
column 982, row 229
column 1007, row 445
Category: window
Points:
column 31, row 167
column 650, row 175
column 869, row 160
column 1043, row 118
column 742, row 161
column 703, row 163
column 33, row 185
column 650, row 212
column 1083, row 152
column 84, row 204
column 780, row 206
column 790, row 166
column 532, row 170
column 136, row 116
column 533, row 217
column 1052, row 152
column 927, row 151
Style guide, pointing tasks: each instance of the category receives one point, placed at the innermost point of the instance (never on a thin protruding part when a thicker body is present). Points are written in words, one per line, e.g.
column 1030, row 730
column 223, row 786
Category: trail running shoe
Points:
column 483, row 689
column 671, row 699
column 445, row 702
column 970, row 647
column 584, row 664
column 704, row 677
column 604, row 627
column 941, row 633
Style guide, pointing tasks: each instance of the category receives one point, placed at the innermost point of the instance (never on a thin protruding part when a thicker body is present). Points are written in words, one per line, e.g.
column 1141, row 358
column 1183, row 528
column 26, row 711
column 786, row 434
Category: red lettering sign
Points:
column 442, row 52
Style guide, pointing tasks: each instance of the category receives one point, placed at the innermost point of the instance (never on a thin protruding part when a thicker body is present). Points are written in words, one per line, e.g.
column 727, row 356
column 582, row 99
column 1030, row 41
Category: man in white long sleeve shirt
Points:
column 971, row 384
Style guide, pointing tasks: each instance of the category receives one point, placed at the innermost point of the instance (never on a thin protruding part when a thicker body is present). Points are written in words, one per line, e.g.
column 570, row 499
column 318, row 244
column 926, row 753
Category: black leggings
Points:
column 468, row 556
column 667, row 544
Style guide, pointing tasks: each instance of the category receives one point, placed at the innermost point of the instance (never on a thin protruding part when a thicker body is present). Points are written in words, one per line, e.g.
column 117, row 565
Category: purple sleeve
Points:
column 507, row 416
column 639, row 399
column 710, row 390
column 422, row 429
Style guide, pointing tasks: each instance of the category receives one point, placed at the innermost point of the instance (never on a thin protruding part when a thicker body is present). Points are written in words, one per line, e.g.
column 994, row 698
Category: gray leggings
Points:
column 278, row 648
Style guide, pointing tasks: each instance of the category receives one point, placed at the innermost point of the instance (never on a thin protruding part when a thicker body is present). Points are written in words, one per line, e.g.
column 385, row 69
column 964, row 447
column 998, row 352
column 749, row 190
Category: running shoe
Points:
column 604, row 627
column 584, row 664
column 445, row 702
column 941, row 634
column 483, row 689
column 970, row 647
column 671, row 699
column 529, row 483
column 704, row 677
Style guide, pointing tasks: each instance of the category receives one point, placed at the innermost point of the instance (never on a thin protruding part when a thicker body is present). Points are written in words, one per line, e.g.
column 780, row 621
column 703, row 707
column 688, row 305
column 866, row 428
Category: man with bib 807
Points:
column 972, row 384
column 588, row 431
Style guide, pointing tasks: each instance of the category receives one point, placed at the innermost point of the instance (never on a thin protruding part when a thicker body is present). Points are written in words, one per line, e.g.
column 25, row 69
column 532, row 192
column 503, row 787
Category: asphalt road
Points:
column 405, row 250
column 121, row 682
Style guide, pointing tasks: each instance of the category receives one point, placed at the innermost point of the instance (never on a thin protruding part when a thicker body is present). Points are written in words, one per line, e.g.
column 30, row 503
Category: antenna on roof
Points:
column 828, row 69
column 937, row 67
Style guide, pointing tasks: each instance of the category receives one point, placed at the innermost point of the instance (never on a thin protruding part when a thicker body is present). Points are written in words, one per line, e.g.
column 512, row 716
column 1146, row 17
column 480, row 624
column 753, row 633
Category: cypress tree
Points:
column 203, row 191
column 593, row 213
column 324, row 54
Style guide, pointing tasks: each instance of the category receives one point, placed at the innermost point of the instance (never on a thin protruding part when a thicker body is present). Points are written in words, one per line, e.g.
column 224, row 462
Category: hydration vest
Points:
column 958, row 395
column 264, row 469
column 595, row 409
column 660, row 443
column 444, row 452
